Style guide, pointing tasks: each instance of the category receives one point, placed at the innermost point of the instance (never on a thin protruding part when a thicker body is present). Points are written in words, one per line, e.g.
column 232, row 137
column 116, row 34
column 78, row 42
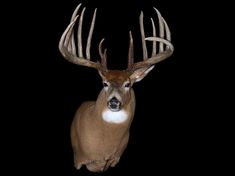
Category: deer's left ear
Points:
column 140, row 73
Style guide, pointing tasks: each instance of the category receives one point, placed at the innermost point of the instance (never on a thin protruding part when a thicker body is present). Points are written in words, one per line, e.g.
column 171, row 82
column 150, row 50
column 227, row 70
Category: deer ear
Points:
column 140, row 73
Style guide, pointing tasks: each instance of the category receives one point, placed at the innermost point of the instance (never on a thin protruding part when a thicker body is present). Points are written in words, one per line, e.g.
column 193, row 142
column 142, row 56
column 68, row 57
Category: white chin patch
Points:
column 114, row 117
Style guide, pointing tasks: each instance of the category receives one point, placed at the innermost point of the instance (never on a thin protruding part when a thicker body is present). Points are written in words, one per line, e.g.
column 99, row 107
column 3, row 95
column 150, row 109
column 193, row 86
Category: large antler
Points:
column 156, row 57
column 68, row 48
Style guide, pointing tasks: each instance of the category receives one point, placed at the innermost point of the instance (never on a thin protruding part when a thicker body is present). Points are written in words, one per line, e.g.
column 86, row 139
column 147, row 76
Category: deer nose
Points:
column 114, row 104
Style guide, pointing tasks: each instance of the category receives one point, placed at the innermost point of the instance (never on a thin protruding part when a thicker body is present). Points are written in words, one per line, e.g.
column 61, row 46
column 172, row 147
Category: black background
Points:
column 171, row 131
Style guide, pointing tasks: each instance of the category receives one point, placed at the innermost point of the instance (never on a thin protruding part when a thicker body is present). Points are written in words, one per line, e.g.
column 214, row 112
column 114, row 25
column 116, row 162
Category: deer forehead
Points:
column 117, row 76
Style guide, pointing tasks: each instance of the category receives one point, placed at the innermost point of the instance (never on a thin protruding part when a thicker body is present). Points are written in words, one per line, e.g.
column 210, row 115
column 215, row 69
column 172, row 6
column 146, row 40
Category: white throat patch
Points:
column 114, row 117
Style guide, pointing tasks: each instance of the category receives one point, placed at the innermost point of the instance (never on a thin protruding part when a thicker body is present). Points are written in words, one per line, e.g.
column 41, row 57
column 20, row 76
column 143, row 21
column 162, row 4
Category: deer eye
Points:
column 105, row 84
column 127, row 84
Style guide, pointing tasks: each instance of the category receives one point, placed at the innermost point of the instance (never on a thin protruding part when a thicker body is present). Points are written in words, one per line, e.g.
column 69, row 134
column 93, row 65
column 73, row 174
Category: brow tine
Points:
column 131, row 52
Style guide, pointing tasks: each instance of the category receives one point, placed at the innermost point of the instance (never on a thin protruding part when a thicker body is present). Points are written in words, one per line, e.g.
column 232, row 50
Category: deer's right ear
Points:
column 140, row 73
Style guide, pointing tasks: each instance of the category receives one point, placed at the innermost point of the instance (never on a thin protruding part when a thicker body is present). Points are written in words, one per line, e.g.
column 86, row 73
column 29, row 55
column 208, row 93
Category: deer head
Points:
column 112, row 113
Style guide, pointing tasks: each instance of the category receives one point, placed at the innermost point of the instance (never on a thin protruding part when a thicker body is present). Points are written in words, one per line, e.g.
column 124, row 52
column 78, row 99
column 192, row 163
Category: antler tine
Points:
column 161, row 29
column 100, row 48
column 75, row 12
column 145, row 51
column 131, row 53
column 90, row 36
column 67, row 45
column 162, row 54
column 168, row 32
column 64, row 40
column 104, row 60
column 79, row 34
column 103, row 55
column 72, row 46
column 154, row 50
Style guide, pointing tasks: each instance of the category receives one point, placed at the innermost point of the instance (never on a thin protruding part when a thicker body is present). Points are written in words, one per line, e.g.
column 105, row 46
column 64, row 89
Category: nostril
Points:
column 114, row 103
column 114, row 99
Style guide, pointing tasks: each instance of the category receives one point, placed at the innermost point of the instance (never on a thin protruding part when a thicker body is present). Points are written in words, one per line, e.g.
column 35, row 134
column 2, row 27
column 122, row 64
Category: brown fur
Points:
column 96, row 143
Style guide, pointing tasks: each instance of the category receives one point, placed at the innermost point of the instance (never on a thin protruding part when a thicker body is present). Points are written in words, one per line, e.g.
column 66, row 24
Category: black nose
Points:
column 114, row 104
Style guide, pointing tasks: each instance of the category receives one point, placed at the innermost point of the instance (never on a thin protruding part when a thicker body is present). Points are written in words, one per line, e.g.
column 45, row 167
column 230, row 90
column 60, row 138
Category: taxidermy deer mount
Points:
column 100, row 129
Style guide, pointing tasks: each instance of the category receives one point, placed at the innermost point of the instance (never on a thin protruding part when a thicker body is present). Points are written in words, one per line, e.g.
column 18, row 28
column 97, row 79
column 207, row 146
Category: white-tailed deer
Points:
column 100, row 129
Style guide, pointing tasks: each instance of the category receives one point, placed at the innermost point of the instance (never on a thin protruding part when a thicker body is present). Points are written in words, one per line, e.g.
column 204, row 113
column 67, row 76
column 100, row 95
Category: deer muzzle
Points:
column 114, row 104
